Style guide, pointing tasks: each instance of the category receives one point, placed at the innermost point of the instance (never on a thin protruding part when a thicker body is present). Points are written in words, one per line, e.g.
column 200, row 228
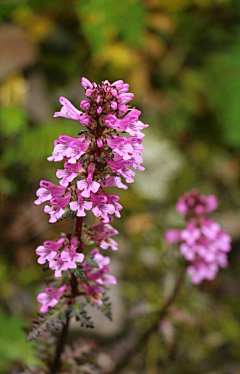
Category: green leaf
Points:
column 48, row 322
column 78, row 272
column 89, row 260
column 106, row 307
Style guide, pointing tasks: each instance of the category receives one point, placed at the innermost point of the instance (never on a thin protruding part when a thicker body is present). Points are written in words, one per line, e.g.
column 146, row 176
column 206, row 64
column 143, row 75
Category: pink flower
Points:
column 47, row 191
column 124, row 98
column 190, row 235
column 172, row 236
column 88, row 185
column 101, row 207
column 69, row 173
column 58, row 265
column 71, row 256
column 119, row 145
column 67, row 110
column 48, row 250
column 98, row 276
column 200, row 270
column 94, row 292
column 196, row 204
column 56, row 210
column 77, row 149
column 86, row 120
column 60, row 147
column 111, row 121
column 113, row 199
column 101, row 235
column 86, row 83
column 113, row 182
column 107, row 279
column 50, row 297
column 80, row 205
column 43, row 195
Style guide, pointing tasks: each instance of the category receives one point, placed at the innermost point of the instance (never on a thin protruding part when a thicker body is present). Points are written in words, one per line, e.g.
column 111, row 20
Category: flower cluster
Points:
column 108, row 149
column 97, row 158
column 203, row 243
column 61, row 254
column 96, row 278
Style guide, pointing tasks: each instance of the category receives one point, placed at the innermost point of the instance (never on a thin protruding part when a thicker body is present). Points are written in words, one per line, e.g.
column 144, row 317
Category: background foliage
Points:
column 182, row 60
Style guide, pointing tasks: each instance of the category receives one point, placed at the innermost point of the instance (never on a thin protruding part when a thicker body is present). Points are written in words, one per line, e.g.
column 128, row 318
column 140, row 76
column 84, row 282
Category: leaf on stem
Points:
column 90, row 261
column 106, row 307
column 78, row 272
column 47, row 322
column 78, row 311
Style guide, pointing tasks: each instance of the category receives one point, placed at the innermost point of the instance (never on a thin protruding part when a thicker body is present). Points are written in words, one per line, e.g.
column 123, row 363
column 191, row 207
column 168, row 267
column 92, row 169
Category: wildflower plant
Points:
column 202, row 242
column 108, row 149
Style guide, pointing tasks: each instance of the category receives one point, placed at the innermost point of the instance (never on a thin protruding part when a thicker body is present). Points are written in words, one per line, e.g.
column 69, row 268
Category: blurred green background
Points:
column 182, row 61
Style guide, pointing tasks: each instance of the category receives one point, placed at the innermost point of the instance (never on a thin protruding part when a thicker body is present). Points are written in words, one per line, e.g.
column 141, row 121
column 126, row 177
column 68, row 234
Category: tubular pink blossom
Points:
column 67, row 110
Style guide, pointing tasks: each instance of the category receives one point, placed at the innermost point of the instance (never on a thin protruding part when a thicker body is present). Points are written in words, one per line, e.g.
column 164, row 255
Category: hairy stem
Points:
column 56, row 364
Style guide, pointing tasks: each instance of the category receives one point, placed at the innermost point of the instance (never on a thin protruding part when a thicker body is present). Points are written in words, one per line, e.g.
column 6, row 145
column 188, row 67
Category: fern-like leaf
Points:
column 78, row 311
column 46, row 322
column 106, row 307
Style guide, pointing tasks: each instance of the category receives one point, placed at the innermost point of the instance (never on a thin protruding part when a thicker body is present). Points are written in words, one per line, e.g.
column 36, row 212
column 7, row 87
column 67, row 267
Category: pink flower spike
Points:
column 67, row 110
